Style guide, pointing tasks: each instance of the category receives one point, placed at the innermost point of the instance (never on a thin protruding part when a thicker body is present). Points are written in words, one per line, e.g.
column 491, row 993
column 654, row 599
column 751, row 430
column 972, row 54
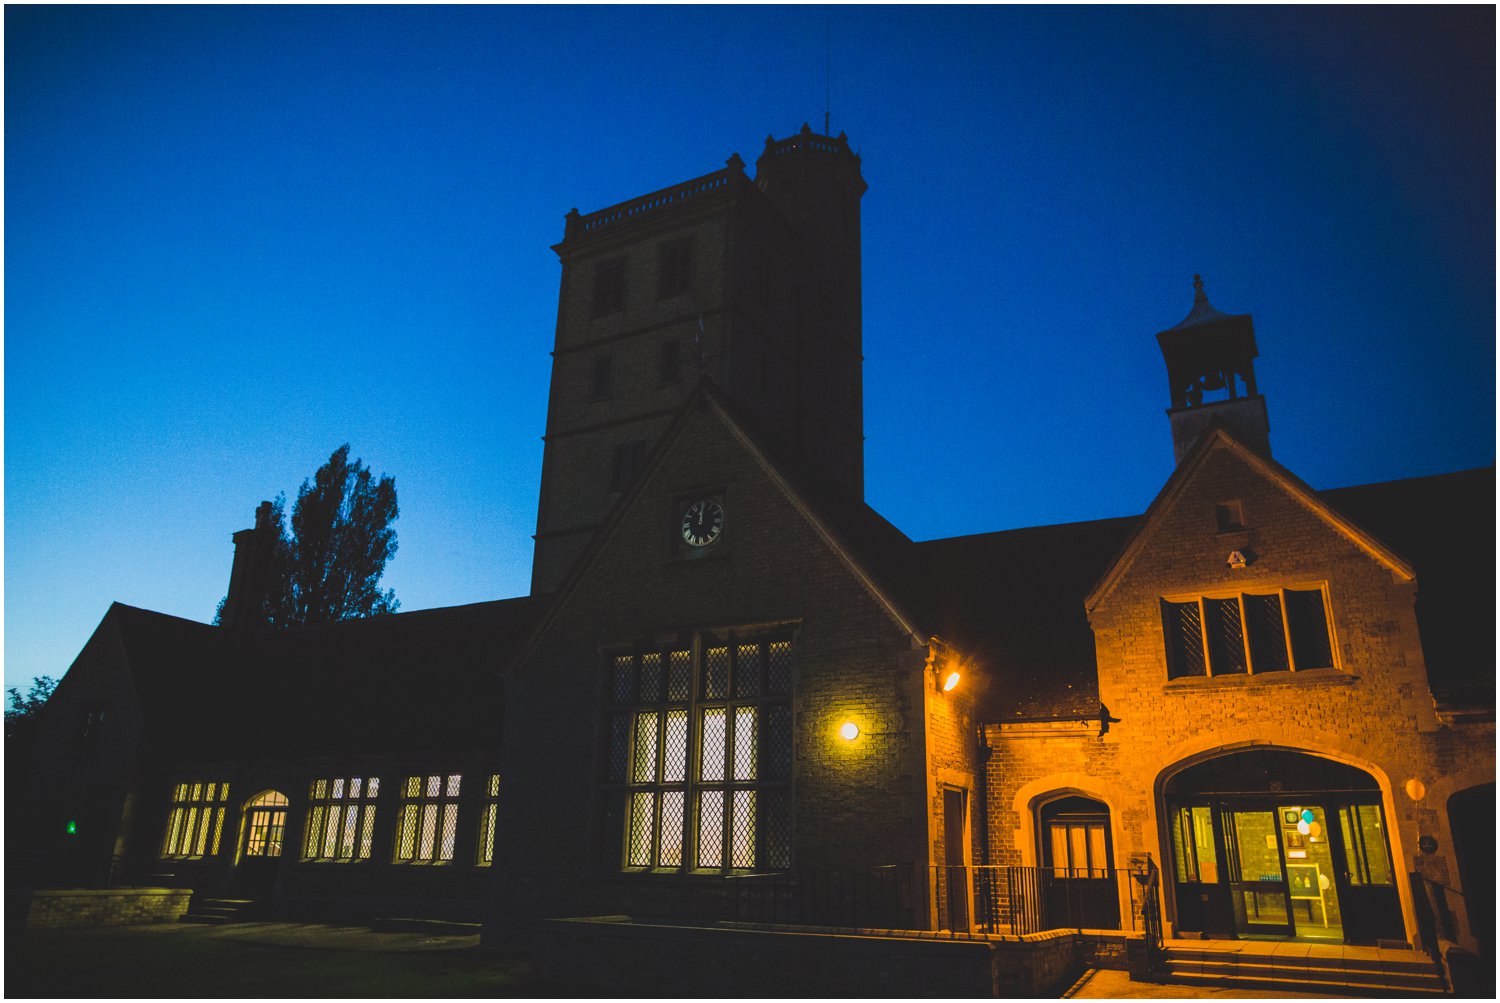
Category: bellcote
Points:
column 1211, row 376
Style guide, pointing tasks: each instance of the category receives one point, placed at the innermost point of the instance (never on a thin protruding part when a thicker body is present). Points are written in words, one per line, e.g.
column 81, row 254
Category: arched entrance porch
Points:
column 1273, row 843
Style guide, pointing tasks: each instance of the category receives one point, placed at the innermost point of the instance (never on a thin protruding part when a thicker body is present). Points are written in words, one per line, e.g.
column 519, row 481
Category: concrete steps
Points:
column 220, row 911
column 1303, row 968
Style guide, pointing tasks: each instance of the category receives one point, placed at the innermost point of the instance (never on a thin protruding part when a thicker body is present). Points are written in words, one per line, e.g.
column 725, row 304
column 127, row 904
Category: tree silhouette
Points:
column 328, row 567
column 22, row 711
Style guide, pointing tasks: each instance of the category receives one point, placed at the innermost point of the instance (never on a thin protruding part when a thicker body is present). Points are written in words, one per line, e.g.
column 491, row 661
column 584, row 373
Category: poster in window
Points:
column 1303, row 881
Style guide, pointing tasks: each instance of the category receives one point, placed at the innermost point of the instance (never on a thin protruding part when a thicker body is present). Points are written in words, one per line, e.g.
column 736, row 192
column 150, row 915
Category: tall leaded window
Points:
column 1247, row 633
column 429, row 819
column 196, row 820
column 340, row 818
column 487, row 817
column 699, row 755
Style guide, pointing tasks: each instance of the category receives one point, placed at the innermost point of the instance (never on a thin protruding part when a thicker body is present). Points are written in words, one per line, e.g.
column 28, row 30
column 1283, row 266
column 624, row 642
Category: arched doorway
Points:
column 1271, row 843
column 1471, row 819
column 1078, row 875
column 264, row 835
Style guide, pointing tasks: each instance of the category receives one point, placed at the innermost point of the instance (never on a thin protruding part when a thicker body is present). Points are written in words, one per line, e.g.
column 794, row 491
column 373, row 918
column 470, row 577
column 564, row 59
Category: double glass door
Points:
column 1288, row 867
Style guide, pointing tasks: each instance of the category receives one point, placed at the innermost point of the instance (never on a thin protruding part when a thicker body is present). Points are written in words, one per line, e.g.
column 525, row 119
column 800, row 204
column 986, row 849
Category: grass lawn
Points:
column 190, row 960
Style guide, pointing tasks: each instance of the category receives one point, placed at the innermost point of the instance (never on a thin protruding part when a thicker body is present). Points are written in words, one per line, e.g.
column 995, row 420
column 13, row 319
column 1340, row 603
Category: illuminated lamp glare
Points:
column 848, row 731
column 1304, row 827
column 951, row 681
column 72, row 827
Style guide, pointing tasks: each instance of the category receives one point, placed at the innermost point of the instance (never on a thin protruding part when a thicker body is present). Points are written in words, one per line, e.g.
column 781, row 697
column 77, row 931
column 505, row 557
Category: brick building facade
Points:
column 734, row 680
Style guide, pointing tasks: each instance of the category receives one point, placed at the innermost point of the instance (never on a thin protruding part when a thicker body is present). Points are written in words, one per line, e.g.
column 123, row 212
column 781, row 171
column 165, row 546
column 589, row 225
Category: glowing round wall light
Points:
column 951, row 681
column 848, row 731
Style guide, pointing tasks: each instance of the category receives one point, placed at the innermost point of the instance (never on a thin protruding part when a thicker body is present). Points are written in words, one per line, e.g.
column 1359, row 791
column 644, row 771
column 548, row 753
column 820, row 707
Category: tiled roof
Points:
column 1445, row 526
column 1013, row 600
column 426, row 680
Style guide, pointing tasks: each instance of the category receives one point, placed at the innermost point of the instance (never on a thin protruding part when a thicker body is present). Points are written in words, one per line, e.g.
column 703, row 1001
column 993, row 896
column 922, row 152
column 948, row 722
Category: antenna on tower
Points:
column 827, row 72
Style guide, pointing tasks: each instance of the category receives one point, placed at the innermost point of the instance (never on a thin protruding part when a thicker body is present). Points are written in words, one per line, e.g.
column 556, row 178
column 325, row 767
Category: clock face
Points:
column 702, row 522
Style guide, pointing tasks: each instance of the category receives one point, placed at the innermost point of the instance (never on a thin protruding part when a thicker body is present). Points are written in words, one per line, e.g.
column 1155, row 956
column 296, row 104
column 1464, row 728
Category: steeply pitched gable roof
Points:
column 1218, row 437
column 876, row 551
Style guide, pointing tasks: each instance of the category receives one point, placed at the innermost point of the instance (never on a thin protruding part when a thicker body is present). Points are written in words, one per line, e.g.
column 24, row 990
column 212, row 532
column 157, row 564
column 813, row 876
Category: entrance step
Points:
column 1354, row 971
column 219, row 911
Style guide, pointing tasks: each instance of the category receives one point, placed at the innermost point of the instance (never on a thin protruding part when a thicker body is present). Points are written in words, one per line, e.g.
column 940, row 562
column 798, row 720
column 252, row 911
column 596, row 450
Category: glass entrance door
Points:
column 1257, row 883
column 1307, row 847
column 1364, row 880
column 264, row 829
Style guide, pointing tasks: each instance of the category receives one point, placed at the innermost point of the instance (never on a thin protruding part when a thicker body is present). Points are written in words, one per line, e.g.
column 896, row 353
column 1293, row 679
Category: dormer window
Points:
column 1247, row 633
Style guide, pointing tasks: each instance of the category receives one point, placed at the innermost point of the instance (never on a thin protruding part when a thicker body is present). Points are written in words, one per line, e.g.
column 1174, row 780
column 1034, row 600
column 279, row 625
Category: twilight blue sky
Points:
column 236, row 238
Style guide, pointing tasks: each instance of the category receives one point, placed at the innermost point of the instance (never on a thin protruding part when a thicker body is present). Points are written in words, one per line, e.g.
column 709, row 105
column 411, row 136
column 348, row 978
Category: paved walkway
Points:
column 1290, row 948
column 1102, row 984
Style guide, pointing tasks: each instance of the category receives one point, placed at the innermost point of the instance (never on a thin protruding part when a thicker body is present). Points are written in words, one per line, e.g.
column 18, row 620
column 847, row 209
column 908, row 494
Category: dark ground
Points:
column 264, row 960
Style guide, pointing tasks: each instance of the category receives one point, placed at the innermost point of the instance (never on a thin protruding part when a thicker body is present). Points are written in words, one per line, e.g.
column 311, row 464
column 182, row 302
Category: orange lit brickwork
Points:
column 1373, row 710
column 953, row 760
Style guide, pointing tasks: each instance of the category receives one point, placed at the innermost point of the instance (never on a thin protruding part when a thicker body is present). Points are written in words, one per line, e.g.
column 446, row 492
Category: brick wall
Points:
column 856, row 803
column 1373, row 711
column 106, row 907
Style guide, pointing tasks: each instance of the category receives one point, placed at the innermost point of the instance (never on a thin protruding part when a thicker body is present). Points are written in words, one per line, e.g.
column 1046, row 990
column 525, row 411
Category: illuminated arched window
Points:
column 1075, row 837
column 265, row 824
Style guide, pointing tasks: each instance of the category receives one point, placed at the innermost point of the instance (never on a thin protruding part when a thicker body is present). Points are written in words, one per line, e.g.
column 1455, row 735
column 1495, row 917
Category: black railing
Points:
column 884, row 897
column 956, row 900
column 1436, row 921
column 1048, row 898
column 1150, row 913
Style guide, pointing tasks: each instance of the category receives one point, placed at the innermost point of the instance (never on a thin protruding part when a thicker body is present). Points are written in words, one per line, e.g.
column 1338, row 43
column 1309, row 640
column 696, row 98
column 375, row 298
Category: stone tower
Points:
column 753, row 284
column 1211, row 372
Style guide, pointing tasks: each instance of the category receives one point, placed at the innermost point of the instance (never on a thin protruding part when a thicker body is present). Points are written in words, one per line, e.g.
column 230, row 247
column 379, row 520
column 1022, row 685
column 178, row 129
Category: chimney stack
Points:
column 252, row 561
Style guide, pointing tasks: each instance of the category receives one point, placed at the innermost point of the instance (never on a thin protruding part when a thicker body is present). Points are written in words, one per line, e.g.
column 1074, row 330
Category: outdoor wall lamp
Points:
column 944, row 662
column 849, row 731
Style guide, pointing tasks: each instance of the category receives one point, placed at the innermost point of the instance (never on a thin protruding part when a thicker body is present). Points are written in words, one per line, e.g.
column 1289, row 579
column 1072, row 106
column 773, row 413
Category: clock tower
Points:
column 751, row 283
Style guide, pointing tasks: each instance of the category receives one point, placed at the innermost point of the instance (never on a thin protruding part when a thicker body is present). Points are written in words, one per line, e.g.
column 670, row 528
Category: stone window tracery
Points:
column 698, row 755
column 1246, row 632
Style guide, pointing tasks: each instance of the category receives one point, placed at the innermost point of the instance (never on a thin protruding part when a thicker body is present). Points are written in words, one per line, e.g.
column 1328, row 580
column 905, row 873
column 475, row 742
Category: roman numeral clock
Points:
column 701, row 525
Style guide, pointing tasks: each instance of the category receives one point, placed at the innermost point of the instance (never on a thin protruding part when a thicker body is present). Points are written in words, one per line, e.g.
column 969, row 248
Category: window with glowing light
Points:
column 196, row 820
column 487, row 817
column 428, row 825
column 698, row 755
column 340, row 818
column 1247, row 633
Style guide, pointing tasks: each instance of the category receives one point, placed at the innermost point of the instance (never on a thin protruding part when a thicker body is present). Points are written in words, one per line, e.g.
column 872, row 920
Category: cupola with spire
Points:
column 1211, row 372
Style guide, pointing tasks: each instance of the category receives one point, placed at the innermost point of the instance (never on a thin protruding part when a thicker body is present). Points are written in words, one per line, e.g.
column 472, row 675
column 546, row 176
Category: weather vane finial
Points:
column 827, row 73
